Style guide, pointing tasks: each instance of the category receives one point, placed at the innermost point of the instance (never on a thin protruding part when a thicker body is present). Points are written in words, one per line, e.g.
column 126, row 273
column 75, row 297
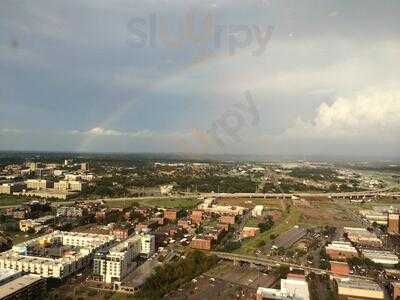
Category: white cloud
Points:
column 371, row 114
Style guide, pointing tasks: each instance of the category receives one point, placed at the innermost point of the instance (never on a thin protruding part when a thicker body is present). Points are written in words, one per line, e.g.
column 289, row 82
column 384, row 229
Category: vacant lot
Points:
column 251, row 202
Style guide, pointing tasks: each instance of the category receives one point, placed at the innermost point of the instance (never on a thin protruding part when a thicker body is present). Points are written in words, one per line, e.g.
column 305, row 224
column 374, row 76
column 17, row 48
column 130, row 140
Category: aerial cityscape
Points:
column 199, row 149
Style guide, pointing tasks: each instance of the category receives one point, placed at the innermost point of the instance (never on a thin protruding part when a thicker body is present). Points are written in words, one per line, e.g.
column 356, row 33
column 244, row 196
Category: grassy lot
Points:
column 157, row 202
column 284, row 224
column 252, row 222
column 6, row 200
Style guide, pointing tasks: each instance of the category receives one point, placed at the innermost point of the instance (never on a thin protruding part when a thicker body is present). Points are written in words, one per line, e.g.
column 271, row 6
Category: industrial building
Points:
column 55, row 255
column 350, row 289
column 23, row 287
column 340, row 250
column 373, row 216
column 362, row 236
column 385, row 258
column 295, row 287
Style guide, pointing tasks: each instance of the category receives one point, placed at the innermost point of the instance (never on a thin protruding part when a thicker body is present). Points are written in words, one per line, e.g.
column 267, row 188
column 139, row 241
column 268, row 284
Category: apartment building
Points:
column 68, row 185
column 85, row 245
column 114, row 264
column 38, row 184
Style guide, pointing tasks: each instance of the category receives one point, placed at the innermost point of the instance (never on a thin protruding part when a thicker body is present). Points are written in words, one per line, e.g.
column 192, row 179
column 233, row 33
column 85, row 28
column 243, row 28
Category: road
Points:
column 268, row 262
column 70, row 202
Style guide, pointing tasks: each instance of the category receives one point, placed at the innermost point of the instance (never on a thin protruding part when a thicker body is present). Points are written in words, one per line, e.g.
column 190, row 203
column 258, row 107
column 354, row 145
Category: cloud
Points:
column 102, row 131
column 370, row 114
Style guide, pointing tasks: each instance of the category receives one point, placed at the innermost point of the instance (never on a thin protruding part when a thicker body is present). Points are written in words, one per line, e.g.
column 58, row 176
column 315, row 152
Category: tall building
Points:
column 148, row 244
column 394, row 224
column 85, row 166
column 114, row 264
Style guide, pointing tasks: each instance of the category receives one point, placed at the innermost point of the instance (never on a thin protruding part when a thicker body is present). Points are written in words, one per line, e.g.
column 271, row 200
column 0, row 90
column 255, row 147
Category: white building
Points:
column 148, row 244
column 292, row 288
column 80, row 255
column 257, row 211
column 385, row 258
column 113, row 265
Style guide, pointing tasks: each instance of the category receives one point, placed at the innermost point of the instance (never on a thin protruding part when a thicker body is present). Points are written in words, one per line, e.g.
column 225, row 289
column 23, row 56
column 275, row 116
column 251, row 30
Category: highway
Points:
column 267, row 262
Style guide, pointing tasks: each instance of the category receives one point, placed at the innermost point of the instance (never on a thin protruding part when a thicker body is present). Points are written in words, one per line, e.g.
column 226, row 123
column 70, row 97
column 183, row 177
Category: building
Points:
column 362, row 236
column 172, row 214
column 227, row 219
column 350, row 289
column 385, row 258
column 70, row 212
column 121, row 233
column 340, row 268
column 202, row 242
column 38, row 184
column 166, row 189
column 373, row 216
column 7, row 275
column 47, row 193
column 396, row 290
column 85, row 166
column 24, row 287
column 393, row 224
column 10, row 188
column 68, row 185
column 114, row 264
column 197, row 216
column 340, row 250
column 35, row 224
column 295, row 287
column 257, row 211
column 250, row 232
column 148, row 244
column 74, row 251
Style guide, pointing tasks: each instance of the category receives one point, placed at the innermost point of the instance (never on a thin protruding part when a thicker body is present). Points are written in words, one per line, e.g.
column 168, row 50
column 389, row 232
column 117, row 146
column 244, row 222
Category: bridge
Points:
column 347, row 195
column 267, row 262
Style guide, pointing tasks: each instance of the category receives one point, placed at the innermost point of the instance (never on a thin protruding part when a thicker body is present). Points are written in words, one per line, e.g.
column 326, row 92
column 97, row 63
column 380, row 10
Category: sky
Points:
column 201, row 76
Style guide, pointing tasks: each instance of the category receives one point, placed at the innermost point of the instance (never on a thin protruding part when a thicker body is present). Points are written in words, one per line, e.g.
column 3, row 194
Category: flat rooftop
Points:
column 18, row 284
column 359, row 284
column 6, row 273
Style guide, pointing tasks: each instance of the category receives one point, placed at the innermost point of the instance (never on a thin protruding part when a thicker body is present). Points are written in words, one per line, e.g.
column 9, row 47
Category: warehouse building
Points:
column 295, row 287
column 385, row 258
column 362, row 236
column 350, row 289
column 341, row 250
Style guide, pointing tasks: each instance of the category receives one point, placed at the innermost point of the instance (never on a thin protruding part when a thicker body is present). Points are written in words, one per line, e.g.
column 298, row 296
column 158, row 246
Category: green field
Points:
column 284, row 224
column 7, row 200
column 157, row 202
